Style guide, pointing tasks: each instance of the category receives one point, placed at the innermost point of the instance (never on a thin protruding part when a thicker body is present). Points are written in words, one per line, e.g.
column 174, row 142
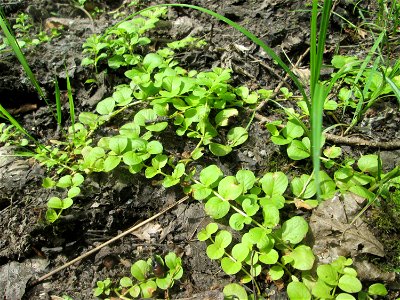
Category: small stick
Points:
column 108, row 242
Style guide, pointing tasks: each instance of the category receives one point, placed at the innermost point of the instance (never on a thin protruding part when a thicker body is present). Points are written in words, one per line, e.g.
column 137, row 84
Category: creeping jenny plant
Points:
column 158, row 96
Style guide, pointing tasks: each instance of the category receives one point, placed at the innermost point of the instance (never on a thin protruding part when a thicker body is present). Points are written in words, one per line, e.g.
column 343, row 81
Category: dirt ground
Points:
column 111, row 203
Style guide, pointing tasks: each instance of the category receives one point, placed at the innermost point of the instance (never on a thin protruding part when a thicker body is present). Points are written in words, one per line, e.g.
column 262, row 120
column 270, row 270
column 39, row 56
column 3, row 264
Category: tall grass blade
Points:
column 71, row 104
column 20, row 56
column 58, row 102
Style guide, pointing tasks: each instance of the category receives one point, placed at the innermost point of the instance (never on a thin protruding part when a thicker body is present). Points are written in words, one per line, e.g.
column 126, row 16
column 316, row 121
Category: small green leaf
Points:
column 271, row 216
column 328, row 274
column 65, row 181
column 152, row 61
column 229, row 188
column 106, row 106
column 217, row 208
column 51, row 215
column 111, row 162
column 230, row 266
column 48, row 183
column 333, row 152
column 377, row 289
column 130, row 130
column 237, row 136
column 234, row 291
column 294, row 230
column 274, row 183
column 154, row 147
column 148, row 288
column 74, row 191
column 276, row 272
column 350, row 284
column 237, row 221
column 298, row 290
column 140, row 269
column 321, row 290
column 297, row 150
column 222, row 118
column 210, row 174
column 223, row 238
column 150, row 172
column 125, row 282
column 158, row 127
column 240, row 251
column 368, row 163
column 77, row 179
column 246, row 178
column 214, row 251
column 303, row 258
column 205, row 233
column 118, row 144
column 55, row 202
column 219, row 149
column 66, row 203
column 130, row 158
column 345, row 296
column 270, row 257
column 201, row 191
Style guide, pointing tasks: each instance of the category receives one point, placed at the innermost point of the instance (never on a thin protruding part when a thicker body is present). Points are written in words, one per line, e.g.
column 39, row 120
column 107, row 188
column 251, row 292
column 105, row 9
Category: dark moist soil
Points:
column 111, row 203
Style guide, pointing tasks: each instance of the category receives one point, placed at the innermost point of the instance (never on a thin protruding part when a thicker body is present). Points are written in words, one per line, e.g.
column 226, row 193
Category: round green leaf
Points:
column 77, row 179
column 200, row 191
column 294, row 230
column 237, row 136
column 276, row 272
column 350, row 284
column 223, row 238
column 377, row 289
column 125, row 282
column 67, row 202
column 246, row 178
column 130, row 130
column 148, row 288
column 368, row 163
column 297, row 150
column 65, row 181
column 303, row 258
column 139, row 270
column 344, row 296
column 214, row 251
column 229, row 188
column 240, row 251
column 210, row 174
column 205, row 233
column 271, row 215
column 130, row 158
column 332, row 152
column 106, row 106
column 217, row 208
column 222, row 118
column 219, row 149
column 303, row 187
column 321, row 290
column 237, row 221
column 165, row 282
column 274, row 183
column 234, row 290
column 293, row 130
column 270, row 257
column 73, row 192
column 111, row 162
column 118, row 144
column 327, row 274
column 55, row 202
column 230, row 266
column 143, row 116
column 152, row 61
column 298, row 290
column 154, row 147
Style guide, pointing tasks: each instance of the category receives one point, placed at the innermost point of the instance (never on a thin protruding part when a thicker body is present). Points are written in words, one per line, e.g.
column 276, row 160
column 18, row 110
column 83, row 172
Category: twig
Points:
column 353, row 141
column 108, row 242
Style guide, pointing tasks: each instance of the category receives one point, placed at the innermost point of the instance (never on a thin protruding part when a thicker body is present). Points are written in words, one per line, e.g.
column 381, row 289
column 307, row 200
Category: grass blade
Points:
column 20, row 56
column 58, row 102
column 71, row 104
